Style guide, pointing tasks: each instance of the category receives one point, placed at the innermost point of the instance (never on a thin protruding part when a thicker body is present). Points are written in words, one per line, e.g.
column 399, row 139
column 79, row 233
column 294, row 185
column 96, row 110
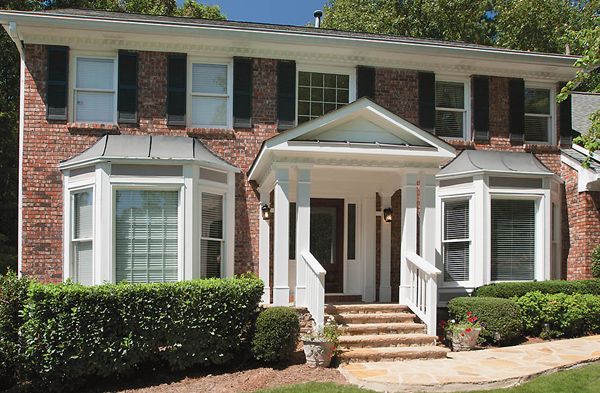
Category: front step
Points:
column 387, row 340
column 382, row 328
column 350, row 318
column 393, row 353
column 365, row 308
column 342, row 298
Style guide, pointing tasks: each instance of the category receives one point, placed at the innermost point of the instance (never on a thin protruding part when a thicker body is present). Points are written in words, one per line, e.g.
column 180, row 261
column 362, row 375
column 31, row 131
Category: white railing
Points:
column 420, row 289
column 315, row 288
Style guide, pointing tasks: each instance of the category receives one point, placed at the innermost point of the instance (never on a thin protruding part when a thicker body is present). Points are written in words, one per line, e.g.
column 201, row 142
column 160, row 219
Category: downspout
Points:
column 14, row 35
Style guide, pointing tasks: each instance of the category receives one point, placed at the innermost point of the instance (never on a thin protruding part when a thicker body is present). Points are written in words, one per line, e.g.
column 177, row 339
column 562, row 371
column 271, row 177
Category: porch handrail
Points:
column 315, row 288
column 421, row 293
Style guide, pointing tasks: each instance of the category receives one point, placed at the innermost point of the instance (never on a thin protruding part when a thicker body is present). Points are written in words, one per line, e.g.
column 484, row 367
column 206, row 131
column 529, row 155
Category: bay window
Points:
column 538, row 115
column 450, row 109
column 210, row 95
column 95, row 93
column 82, row 236
column 320, row 93
column 456, row 240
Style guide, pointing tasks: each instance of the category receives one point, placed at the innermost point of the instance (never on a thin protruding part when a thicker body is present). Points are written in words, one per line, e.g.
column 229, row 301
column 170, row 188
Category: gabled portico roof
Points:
column 356, row 134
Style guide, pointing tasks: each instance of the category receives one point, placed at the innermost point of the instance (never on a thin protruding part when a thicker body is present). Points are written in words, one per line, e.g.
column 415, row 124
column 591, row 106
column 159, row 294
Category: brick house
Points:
column 375, row 168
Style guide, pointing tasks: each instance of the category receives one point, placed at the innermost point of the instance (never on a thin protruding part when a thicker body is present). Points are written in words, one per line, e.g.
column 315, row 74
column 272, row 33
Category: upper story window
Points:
column 210, row 95
column 320, row 93
column 538, row 114
column 95, row 90
column 450, row 109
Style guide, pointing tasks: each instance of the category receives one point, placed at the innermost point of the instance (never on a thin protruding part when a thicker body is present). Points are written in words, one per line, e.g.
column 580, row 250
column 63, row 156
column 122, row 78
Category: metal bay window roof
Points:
column 476, row 161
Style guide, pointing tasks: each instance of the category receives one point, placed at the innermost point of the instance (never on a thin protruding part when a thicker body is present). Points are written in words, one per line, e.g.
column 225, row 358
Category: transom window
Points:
column 82, row 233
column 538, row 118
column 456, row 240
column 95, row 90
column 211, row 239
column 210, row 95
column 450, row 111
column 320, row 93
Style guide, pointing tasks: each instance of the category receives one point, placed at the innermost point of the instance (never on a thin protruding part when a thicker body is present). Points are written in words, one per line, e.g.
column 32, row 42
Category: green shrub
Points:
column 596, row 262
column 511, row 289
column 500, row 318
column 276, row 335
column 73, row 332
column 558, row 315
column 13, row 295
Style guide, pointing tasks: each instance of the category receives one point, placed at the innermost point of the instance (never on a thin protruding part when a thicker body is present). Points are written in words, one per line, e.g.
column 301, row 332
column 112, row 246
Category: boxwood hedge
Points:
column 511, row 289
column 276, row 335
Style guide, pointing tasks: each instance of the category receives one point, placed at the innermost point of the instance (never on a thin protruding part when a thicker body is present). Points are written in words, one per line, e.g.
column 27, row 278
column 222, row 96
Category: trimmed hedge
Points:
column 596, row 262
column 507, row 290
column 501, row 318
column 276, row 335
column 560, row 315
column 73, row 332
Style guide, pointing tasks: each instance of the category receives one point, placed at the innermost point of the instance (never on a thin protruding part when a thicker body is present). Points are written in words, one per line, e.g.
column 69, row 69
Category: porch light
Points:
column 266, row 212
column 388, row 214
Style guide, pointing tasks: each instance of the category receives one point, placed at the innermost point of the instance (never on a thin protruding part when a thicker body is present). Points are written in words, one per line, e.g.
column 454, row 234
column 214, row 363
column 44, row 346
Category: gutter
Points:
column 13, row 32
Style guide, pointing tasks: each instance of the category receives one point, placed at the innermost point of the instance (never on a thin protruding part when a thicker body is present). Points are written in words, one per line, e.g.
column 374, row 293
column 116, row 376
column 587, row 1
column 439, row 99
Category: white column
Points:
column 409, row 230
column 104, row 263
column 302, row 232
column 480, row 216
column 281, row 289
column 229, row 268
column 263, row 246
column 385, row 290
column 369, row 240
column 428, row 227
column 191, row 254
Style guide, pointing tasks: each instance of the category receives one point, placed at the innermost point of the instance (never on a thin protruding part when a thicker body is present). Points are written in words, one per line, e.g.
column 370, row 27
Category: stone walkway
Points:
column 477, row 370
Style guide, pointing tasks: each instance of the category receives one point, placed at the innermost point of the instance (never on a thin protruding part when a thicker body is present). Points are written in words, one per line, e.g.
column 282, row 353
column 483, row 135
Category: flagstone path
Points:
column 476, row 370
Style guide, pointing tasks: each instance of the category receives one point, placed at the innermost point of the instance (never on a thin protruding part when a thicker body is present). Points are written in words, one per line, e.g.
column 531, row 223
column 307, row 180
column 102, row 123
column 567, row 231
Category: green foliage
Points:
column 511, row 289
column 193, row 9
column 72, row 332
column 596, row 262
column 500, row 318
column 558, row 315
column 276, row 335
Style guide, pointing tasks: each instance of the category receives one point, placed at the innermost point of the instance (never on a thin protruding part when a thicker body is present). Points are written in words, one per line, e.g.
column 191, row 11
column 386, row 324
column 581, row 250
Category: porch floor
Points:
column 476, row 370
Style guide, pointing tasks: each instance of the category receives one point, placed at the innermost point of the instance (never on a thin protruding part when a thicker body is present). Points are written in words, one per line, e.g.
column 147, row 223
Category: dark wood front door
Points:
column 327, row 240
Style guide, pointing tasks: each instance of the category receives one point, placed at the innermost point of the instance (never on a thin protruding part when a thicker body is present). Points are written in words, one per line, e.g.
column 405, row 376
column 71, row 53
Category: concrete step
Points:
column 365, row 308
column 374, row 318
column 392, row 354
column 382, row 328
column 341, row 298
column 387, row 340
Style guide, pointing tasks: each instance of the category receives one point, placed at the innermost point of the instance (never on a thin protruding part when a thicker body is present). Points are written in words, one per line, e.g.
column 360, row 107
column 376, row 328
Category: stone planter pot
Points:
column 318, row 353
column 464, row 341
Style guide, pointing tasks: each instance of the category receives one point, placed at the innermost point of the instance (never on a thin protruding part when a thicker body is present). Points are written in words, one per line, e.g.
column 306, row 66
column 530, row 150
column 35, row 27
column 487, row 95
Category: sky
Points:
column 286, row 12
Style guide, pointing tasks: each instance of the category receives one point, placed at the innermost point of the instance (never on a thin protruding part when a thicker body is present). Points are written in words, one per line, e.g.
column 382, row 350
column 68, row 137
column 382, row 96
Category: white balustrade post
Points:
column 428, row 228
column 281, row 289
column 431, row 305
column 302, row 232
column 264, row 271
column 385, row 290
column 409, row 232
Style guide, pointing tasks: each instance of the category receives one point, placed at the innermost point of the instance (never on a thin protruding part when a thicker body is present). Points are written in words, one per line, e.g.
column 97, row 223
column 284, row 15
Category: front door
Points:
column 327, row 240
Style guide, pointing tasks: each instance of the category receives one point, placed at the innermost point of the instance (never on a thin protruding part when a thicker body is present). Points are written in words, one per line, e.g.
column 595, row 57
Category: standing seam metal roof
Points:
column 470, row 161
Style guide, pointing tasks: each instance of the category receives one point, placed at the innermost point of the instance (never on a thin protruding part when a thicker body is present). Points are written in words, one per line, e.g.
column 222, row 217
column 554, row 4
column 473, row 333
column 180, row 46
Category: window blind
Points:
column 147, row 236
column 537, row 114
column 209, row 78
column 212, row 240
column 450, row 109
column 513, row 239
column 456, row 244
column 209, row 95
column 95, row 97
column 82, row 237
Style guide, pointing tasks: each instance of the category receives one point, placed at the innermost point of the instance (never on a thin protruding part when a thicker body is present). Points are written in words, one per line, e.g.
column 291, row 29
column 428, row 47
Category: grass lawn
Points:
column 585, row 379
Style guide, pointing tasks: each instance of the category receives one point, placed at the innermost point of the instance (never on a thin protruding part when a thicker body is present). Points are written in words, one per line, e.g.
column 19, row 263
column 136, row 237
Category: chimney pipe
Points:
column 318, row 14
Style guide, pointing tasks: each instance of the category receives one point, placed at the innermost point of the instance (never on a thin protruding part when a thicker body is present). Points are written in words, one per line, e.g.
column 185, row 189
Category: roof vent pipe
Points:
column 318, row 14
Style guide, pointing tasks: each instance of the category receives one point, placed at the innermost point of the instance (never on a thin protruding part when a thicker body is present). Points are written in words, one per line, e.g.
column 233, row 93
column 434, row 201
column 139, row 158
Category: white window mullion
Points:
column 82, row 236
column 95, row 92
column 210, row 95
column 456, row 240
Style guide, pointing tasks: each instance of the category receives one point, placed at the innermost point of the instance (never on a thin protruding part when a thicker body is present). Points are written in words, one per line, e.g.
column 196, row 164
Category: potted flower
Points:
column 320, row 345
column 463, row 334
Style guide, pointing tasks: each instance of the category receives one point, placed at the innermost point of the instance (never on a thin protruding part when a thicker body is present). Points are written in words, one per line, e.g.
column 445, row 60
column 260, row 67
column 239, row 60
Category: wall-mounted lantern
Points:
column 266, row 212
column 388, row 214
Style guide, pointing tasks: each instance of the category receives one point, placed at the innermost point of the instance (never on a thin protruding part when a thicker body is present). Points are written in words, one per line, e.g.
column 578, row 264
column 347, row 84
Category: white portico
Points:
column 323, row 178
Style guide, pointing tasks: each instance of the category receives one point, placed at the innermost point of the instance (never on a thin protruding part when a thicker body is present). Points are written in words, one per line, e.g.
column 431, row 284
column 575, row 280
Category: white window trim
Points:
column 73, row 89
column 70, row 272
column 457, row 198
column 224, row 243
column 467, row 105
column 551, row 116
column 351, row 72
column 74, row 270
column 190, row 95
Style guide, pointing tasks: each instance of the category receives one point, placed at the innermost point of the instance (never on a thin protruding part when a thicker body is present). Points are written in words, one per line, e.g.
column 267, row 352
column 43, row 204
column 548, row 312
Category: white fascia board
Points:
column 355, row 151
column 587, row 180
column 493, row 172
column 148, row 161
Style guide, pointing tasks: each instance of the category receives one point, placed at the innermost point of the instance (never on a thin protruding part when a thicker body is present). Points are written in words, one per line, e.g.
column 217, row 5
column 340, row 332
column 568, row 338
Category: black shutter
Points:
column 365, row 83
column 427, row 100
column 516, row 110
column 176, row 89
column 242, row 92
column 481, row 108
column 57, row 73
column 566, row 125
column 128, row 87
column 286, row 94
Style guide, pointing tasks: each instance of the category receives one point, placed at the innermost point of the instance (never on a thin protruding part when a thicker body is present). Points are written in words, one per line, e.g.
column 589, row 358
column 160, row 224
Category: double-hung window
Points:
column 212, row 239
column 538, row 116
column 456, row 240
column 95, row 93
column 320, row 93
column 82, row 236
column 450, row 109
column 210, row 98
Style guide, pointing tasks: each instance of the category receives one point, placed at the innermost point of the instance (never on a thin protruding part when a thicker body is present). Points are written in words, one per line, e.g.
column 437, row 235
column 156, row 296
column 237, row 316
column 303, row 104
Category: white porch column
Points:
column 385, row 290
column 263, row 245
column 302, row 232
column 369, row 240
column 409, row 230
column 428, row 227
column 281, row 289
